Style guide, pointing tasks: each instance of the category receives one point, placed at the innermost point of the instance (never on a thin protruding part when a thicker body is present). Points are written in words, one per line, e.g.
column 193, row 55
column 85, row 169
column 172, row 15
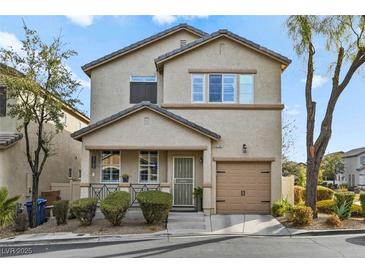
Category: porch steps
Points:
column 187, row 222
column 183, row 209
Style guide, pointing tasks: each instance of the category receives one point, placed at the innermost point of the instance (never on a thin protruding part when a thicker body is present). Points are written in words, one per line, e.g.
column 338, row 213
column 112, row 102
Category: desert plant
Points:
column 362, row 201
column 356, row 210
column 326, row 206
column 280, row 207
column 302, row 215
column 340, row 197
column 299, row 192
column 60, row 210
column 7, row 207
column 324, row 193
column 155, row 206
column 334, row 220
column 115, row 205
column 84, row 210
column 343, row 210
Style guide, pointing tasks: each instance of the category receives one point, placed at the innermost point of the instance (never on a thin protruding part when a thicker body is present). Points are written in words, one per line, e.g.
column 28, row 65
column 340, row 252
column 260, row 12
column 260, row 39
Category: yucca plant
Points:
column 7, row 207
column 343, row 211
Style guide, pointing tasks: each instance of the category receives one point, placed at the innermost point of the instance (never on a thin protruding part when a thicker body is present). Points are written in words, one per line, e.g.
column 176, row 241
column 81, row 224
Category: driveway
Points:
column 241, row 224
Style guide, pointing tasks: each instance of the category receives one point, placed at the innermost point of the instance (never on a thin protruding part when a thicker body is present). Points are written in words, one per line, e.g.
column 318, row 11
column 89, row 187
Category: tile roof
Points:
column 9, row 138
column 139, row 43
column 354, row 152
column 218, row 33
column 106, row 121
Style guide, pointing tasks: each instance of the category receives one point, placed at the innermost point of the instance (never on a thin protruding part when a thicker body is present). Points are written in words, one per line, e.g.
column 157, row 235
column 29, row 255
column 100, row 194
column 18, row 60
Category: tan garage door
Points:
column 243, row 187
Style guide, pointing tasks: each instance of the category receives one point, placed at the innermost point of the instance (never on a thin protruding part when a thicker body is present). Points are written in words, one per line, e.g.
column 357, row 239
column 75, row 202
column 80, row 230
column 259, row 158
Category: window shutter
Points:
column 2, row 101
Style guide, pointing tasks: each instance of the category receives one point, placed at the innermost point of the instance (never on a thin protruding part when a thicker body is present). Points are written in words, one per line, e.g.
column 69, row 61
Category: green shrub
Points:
column 84, row 210
column 71, row 213
column 302, row 215
column 326, row 206
column 343, row 211
column 60, row 211
column 340, row 197
column 324, row 193
column 115, row 205
column 280, row 207
column 356, row 211
column 7, row 207
column 155, row 206
column 299, row 193
column 362, row 201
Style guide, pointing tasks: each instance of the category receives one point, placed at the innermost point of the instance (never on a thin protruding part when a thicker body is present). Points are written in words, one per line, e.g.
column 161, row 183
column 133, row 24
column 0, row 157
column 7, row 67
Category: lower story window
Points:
column 110, row 166
column 148, row 167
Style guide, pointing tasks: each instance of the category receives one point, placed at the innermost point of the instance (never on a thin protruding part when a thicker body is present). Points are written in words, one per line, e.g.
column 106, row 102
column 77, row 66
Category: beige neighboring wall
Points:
column 111, row 80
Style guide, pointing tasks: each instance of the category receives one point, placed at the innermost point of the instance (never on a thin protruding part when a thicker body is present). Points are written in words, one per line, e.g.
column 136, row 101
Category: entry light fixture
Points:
column 244, row 148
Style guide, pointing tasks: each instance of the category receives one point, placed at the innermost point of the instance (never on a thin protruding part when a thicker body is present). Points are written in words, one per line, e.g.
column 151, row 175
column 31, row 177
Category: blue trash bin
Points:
column 41, row 211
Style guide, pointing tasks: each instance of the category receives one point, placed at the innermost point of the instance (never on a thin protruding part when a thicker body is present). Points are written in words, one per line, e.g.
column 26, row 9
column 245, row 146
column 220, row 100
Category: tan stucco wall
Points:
column 111, row 80
column 232, row 56
column 351, row 166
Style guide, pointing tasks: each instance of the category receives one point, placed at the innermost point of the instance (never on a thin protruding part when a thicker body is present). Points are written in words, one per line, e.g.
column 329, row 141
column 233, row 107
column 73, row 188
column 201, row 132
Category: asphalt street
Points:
column 203, row 247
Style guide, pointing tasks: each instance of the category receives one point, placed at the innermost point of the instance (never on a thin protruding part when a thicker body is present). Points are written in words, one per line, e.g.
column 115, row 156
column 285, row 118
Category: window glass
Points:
column 246, row 89
column 229, row 87
column 110, row 166
column 148, row 167
column 215, row 88
column 198, row 88
column 362, row 160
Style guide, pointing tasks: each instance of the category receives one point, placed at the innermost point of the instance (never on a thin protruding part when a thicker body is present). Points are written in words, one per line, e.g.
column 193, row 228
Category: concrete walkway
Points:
column 241, row 224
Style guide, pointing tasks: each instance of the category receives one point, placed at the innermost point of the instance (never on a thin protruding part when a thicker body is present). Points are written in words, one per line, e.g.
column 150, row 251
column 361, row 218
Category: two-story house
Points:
column 15, row 173
column 354, row 161
column 182, row 109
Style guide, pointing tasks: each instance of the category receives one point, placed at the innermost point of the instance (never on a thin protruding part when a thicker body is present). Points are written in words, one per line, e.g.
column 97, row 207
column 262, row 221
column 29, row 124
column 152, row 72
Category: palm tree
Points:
column 7, row 207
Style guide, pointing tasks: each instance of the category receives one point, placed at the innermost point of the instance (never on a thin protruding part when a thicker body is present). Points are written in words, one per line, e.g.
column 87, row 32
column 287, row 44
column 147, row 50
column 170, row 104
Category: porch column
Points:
column 85, row 173
column 207, row 181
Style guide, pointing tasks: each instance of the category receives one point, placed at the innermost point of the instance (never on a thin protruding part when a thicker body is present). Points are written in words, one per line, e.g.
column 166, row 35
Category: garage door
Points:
column 243, row 187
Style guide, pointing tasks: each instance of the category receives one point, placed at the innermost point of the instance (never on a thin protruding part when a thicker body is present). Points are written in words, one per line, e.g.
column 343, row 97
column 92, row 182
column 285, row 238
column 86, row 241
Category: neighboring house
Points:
column 355, row 167
column 183, row 109
column 15, row 172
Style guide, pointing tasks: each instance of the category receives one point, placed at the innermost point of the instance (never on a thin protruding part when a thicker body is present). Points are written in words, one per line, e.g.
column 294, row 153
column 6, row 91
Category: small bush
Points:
column 333, row 220
column 302, row 215
column 155, row 206
column 84, row 210
column 326, row 206
column 356, row 211
column 324, row 193
column 71, row 213
column 60, row 211
column 362, row 201
column 299, row 193
column 280, row 207
column 343, row 211
column 341, row 197
column 115, row 205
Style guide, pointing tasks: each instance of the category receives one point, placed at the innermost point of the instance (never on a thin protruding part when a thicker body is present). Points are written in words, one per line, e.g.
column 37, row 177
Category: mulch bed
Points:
column 98, row 227
column 320, row 223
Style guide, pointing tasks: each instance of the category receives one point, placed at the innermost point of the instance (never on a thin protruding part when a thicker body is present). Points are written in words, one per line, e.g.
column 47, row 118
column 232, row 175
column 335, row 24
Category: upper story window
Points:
column 2, row 102
column 143, row 88
column 362, row 160
column 110, row 166
column 223, row 88
column 198, row 88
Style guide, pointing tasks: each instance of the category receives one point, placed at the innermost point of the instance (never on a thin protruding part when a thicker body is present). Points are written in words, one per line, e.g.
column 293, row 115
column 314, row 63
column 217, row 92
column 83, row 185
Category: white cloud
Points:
column 318, row 80
column 8, row 40
column 81, row 20
column 169, row 19
column 292, row 111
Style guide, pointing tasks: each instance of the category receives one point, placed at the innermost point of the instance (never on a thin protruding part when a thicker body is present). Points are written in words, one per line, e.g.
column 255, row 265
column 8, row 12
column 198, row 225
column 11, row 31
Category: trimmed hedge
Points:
column 356, row 211
column 326, row 206
column 84, row 210
column 280, row 207
column 115, row 205
column 155, row 206
column 60, row 210
column 302, row 215
column 299, row 193
column 324, row 193
column 362, row 201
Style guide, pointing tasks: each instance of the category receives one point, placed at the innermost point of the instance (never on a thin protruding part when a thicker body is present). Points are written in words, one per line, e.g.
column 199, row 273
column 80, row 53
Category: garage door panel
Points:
column 243, row 187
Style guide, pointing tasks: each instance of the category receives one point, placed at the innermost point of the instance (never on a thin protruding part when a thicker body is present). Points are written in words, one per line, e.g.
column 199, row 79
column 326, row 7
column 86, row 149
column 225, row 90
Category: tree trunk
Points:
column 311, row 186
column 34, row 200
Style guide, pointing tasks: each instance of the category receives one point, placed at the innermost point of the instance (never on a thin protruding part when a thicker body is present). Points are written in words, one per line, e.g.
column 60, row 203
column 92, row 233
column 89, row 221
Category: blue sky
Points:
column 95, row 36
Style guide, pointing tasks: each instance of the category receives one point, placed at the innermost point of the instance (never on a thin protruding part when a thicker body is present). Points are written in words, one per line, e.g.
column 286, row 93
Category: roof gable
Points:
column 116, row 54
column 215, row 35
column 354, row 152
column 144, row 105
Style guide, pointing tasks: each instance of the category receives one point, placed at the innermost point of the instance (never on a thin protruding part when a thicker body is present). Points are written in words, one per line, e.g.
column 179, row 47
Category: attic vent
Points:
column 182, row 43
column 221, row 47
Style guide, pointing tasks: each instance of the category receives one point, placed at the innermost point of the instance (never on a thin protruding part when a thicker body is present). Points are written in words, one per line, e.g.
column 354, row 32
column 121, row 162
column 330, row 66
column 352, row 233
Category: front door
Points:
column 183, row 178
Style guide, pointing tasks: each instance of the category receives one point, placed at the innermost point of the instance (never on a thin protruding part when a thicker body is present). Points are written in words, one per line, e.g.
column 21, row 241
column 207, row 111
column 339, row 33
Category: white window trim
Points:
column 192, row 89
column 101, row 168
column 158, row 169
column 154, row 81
column 253, row 89
column 222, row 90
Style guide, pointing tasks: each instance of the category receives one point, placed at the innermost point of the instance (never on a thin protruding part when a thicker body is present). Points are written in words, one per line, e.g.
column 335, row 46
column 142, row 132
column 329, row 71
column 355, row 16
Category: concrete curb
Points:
column 329, row 232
